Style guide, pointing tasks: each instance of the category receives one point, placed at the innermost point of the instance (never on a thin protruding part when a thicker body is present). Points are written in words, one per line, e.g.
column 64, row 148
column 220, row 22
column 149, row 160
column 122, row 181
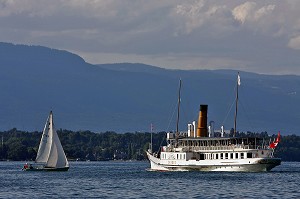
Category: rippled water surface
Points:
column 132, row 180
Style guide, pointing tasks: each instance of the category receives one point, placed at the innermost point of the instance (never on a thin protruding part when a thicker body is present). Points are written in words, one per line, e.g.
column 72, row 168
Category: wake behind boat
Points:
column 201, row 149
column 50, row 156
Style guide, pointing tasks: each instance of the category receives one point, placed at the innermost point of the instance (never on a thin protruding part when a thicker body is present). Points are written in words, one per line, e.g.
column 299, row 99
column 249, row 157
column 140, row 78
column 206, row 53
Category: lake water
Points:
column 132, row 180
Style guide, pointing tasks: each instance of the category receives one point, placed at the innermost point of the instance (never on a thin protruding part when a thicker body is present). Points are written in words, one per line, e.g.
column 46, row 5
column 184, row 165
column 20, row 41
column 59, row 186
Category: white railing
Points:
column 216, row 148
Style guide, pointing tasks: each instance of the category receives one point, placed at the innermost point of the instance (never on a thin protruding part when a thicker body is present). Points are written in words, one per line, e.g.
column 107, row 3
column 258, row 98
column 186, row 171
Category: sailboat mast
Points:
column 178, row 112
column 238, row 82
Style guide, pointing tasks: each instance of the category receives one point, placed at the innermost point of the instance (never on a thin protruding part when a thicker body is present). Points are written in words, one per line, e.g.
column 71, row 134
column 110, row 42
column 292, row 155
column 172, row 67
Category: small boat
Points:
column 203, row 149
column 51, row 155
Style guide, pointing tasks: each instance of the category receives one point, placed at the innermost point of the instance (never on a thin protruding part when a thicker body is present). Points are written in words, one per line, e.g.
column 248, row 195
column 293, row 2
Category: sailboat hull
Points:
column 43, row 168
column 56, row 169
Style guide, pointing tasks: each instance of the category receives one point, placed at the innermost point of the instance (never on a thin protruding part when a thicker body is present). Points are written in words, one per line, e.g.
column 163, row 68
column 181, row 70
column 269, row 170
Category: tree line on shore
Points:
column 19, row 145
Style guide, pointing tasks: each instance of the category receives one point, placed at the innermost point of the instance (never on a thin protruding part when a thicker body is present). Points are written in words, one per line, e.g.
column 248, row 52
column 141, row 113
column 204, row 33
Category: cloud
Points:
column 258, row 18
column 294, row 43
column 249, row 35
column 249, row 11
column 193, row 16
column 244, row 11
column 263, row 11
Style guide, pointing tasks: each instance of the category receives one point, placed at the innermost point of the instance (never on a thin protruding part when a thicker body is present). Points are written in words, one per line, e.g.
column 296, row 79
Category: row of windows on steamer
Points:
column 212, row 156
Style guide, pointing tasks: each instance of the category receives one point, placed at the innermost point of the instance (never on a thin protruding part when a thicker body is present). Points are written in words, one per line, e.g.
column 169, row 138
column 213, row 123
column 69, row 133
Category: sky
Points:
column 255, row 36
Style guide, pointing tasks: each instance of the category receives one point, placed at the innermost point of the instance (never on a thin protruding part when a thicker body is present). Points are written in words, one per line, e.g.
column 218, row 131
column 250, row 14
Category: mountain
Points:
column 129, row 97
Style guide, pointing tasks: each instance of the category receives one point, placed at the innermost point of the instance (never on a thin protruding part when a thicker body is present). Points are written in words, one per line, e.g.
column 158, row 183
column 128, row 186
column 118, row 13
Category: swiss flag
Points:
column 275, row 143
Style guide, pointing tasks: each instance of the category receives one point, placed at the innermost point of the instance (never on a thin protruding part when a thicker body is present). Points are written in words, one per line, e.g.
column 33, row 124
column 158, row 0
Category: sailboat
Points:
column 51, row 155
column 203, row 149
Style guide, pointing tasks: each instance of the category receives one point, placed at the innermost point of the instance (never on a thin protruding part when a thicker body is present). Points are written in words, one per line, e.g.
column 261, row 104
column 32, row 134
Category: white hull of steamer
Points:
column 245, row 165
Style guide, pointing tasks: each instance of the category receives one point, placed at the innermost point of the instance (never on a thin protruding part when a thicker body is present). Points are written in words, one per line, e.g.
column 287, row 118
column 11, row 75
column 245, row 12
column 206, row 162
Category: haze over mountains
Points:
column 129, row 97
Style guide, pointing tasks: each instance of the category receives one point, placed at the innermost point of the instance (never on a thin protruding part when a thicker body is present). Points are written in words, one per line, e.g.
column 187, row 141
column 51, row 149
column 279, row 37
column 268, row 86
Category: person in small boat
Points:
column 25, row 166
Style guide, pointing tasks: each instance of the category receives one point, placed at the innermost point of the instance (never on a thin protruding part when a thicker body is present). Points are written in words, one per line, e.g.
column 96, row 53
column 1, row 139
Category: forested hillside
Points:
column 127, row 97
column 86, row 145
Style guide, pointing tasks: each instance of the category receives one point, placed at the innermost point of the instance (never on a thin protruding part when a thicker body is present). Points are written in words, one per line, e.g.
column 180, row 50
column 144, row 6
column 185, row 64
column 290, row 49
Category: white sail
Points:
column 50, row 150
column 45, row 144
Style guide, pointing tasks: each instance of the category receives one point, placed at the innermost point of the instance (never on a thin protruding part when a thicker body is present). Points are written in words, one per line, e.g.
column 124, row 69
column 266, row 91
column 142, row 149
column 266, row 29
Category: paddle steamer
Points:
column 203, row 149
